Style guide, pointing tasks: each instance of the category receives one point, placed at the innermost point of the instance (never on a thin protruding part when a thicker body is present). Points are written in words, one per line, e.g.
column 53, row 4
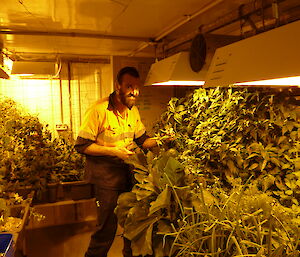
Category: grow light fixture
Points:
column 34, row 69
column 267, row 59
column 174, row 71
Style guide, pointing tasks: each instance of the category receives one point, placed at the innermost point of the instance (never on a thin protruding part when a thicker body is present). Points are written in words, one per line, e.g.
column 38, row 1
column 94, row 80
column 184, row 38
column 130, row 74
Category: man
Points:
column 107, row 133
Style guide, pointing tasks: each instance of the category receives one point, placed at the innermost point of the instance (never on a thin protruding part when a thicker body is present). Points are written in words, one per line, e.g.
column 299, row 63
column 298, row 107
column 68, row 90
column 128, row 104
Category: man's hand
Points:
column 99, row 150
column 122, row 153
column 169, row 137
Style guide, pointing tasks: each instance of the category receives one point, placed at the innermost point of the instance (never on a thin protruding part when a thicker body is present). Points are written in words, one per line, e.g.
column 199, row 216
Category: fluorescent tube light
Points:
column 289, row 81
column 179, row 83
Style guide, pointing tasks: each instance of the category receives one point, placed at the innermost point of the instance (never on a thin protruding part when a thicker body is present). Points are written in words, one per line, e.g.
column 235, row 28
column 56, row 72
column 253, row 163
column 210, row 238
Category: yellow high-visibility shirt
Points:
column 103, row 125
column 107, row 127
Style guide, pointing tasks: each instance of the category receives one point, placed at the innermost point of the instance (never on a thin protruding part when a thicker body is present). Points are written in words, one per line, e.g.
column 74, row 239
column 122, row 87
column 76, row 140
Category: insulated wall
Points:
column 61, row 103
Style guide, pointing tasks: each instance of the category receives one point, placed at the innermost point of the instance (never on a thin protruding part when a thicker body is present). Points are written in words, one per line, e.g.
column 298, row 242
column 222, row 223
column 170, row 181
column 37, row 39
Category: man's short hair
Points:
column 127, row 70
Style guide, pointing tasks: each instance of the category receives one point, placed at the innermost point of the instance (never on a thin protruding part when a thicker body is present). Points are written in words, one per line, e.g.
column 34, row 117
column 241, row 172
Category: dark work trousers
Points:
column 103, row 238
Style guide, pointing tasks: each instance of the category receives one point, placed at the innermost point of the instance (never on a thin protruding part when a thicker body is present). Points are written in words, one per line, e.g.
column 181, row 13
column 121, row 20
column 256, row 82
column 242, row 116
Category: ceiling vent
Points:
column 271, row 58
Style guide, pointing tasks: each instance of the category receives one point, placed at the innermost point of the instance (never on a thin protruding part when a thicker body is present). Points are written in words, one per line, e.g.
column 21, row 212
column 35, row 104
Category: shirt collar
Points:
column 112, row 106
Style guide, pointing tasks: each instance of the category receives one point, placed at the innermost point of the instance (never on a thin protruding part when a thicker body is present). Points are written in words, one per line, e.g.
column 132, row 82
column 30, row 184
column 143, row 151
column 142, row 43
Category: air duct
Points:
column 271, row 58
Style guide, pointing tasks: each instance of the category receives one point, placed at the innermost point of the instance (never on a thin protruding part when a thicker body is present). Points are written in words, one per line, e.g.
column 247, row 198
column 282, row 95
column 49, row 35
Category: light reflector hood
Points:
column 174, row 71
column 259, row 60
column 34, row 68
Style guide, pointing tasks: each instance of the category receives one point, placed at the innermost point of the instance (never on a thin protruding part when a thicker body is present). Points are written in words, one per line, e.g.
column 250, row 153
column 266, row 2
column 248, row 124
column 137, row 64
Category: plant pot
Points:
column 53, row 192
column 6, row 245
column 75, row 190
column 47, row 194
column 18, row 214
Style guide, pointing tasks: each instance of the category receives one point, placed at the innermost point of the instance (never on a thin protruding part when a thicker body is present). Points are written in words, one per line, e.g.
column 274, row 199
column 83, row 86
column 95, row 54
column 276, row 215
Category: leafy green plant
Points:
column 239, row 156
column 243, row 222
column 236, row 133
column 29, row 154
column 9, row 222
column 150, row 209
column 168, row 214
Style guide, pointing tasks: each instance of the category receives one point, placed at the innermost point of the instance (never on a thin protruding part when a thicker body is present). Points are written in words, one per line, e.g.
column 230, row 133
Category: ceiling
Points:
column 148, row 28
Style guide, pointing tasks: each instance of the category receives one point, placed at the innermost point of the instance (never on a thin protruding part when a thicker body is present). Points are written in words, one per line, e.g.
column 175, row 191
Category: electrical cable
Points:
column 124, row 9
column 59, row 68
column 29, row 12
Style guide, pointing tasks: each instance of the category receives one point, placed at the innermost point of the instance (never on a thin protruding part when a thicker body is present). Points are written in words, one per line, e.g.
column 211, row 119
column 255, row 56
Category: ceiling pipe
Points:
column 219, row 24
column 167, row 31
column 187, row 19
column 206, row 28
column 15, row 31
column 51, row 57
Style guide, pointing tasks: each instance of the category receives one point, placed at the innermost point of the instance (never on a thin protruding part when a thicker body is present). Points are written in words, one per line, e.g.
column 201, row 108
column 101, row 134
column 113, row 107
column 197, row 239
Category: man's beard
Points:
column 126, row 100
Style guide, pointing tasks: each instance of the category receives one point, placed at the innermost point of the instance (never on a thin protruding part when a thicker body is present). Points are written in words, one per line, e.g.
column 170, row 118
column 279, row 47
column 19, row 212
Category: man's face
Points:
column 129, row 90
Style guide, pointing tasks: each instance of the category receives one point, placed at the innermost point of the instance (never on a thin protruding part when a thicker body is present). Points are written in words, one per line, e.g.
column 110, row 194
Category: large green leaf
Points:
column 141, row 193
column 174, row 172
column 135, row 226
column 143, row 244
column 125, row 202
column 162, row 201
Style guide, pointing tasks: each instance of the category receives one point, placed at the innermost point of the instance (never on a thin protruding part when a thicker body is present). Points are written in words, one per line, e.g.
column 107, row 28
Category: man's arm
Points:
column 147, row 142
column 89, row 147
column 99, row 150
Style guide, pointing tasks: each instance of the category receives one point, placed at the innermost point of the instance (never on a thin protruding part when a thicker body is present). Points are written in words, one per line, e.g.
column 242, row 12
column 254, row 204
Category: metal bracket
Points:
column 246, row 19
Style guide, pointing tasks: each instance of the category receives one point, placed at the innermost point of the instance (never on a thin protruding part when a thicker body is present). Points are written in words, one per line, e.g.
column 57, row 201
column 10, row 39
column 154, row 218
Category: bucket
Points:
column 6, row 245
